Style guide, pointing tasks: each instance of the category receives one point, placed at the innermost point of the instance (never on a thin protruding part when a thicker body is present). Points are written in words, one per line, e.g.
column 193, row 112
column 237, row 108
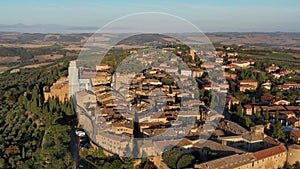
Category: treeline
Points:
column 114, row 57
column 99, row 160
column 177, row 159
column 34, row 133
column 262, row 64
column 13, row 85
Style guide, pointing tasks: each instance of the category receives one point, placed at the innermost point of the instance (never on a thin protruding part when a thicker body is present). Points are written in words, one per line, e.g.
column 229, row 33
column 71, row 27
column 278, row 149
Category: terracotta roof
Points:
column 253, row 137
column 231, row 127
column 292, row 107
column 185, row 142
column 102, row 64
column 233, row 161
column 107, row 111
column 292, row 120
column 60, row 85
column 87, row 75
column 247, row 106
column 270, row 152
column 215, row 146
column 102, row 74
column 296, row 132
column 271, row 140
column 233, row 66
column 272, row 68
column 268, row 97
column 273, row 108
column 197, row 70
column 247, row 81
column 247, row 85
column 288, row 86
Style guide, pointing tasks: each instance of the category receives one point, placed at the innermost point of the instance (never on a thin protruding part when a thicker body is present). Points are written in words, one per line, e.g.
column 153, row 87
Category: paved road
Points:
column 74, row 148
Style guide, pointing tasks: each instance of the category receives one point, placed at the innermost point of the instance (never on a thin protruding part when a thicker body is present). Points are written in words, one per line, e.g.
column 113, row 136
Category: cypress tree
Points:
column 267, row 115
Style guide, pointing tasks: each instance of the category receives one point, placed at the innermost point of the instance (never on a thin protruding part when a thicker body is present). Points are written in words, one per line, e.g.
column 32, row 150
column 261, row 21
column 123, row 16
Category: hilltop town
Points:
column 259, row 127
column 233, row 107
column 151, row 84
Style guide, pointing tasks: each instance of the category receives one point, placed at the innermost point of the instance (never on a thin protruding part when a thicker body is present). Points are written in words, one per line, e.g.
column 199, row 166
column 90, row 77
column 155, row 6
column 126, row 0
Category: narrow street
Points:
column 74, row 147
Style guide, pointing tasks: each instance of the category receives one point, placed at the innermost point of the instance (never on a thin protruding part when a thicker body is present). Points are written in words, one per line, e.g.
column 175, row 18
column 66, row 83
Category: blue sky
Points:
column 208, row 15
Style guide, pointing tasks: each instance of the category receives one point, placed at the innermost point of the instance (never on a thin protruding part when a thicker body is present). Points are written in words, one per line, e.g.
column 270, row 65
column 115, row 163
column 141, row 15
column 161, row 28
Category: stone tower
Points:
column 73, row 78
column 192, row 53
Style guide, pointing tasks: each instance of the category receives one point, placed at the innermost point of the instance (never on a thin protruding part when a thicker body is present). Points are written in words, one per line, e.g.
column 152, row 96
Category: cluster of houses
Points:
column 250, row 149
column 118, row 101
column 106, row 116
column 289, row 115
column 288, row 112
column 247, row 85
column 234, row 64
column 277, row 72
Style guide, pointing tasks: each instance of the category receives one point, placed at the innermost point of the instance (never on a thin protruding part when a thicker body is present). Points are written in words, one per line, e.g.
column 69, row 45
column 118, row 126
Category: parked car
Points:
column 80, row 132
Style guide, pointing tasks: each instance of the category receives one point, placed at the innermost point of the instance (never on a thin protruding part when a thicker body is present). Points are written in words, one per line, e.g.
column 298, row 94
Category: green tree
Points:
column 167, row 81
column 2, row 163
column 147, row 164
column 148, row 76
column 232, row 85
column 267, row 115
column 171, row 157
column 116, row 164
column 287, row 166
column 257, row 114
column 278, row 132
column 277, row 116
column 185, row 161
column 240, row 110
column 261, row 77
column 296, row 165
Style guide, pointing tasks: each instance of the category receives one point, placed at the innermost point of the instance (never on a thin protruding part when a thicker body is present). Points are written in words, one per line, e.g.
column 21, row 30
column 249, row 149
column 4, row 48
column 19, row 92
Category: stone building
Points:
column 271, row 158
column 293, row 154
column 59, row 89
column 295, row 136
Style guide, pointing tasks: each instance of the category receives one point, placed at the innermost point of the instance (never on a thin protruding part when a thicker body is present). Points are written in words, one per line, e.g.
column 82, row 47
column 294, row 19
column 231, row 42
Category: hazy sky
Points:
column 208, row 15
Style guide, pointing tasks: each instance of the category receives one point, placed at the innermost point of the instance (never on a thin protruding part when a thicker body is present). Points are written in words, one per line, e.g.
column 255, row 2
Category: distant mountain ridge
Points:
column 64, row 29
column 45, row 28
